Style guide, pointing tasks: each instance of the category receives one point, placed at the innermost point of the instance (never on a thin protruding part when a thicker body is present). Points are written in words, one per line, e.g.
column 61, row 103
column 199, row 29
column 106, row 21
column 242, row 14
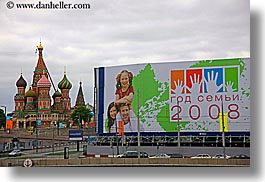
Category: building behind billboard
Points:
column 187, row 96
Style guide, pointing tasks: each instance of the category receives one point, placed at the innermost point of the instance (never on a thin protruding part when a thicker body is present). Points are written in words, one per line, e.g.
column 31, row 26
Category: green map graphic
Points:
column 153, row 101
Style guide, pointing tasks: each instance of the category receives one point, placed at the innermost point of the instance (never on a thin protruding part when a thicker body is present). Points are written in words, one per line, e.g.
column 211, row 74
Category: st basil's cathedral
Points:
column 36, row 104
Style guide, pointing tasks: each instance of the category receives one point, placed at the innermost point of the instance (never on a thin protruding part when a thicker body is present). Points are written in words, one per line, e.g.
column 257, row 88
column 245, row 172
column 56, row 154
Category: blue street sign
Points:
column 38, row 122
column 60, row 124
column 75, row 134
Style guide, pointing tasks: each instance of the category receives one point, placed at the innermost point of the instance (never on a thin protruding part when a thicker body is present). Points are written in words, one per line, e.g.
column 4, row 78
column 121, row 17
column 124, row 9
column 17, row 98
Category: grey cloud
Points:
column 116, row 33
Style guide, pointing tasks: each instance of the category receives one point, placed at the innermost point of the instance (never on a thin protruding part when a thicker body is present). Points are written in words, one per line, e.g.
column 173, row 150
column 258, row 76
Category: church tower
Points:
column 30, row 95
column 20, row 96
column 44, row 98
column 57, row 105
column 65, row 85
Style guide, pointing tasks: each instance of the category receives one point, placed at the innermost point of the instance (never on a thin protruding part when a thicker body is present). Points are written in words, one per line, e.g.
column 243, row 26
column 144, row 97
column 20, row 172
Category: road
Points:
column 152, row 150
column 62, row 141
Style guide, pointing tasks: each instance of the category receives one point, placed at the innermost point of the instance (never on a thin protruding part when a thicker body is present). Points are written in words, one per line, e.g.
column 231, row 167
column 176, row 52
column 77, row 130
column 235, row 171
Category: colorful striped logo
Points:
column 205, row 80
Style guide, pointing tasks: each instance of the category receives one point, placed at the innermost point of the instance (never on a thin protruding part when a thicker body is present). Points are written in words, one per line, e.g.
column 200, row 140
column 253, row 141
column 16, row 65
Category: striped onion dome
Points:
column 57, row 94
column 30, row 93
column 64, row 83
column 21, row 82
column 44, row 82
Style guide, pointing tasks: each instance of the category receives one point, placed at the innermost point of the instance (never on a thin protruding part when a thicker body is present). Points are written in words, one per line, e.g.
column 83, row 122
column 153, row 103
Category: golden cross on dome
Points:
column 40, row 46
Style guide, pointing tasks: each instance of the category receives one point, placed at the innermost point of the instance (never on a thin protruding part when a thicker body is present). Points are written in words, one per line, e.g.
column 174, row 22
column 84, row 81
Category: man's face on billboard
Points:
column 125, row 113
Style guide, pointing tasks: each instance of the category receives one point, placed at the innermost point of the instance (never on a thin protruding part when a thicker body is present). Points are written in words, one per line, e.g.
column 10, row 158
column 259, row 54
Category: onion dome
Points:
column 30, row 93
column 44, row 82
column 21, row 82
column 57, row 94
column 64, row 83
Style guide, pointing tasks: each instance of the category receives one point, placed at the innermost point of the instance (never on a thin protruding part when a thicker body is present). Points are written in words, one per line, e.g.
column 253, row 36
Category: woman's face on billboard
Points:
column 113, row 112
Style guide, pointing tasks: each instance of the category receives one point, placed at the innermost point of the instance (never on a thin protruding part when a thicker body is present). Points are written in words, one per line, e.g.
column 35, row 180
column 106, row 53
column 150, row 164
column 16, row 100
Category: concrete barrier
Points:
column 105, row 161
column 91, row 155
column 103, row 155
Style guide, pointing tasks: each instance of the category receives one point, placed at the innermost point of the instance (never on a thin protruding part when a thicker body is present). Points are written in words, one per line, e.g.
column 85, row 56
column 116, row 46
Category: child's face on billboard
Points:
column 125, row 113
column 124, row 79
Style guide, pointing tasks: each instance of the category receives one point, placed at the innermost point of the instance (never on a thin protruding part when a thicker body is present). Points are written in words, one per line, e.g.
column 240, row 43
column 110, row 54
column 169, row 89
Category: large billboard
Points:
column 188, row 96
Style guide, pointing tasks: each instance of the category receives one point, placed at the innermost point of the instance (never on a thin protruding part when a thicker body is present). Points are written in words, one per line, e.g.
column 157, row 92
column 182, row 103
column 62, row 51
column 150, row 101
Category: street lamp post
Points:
column 58, row 127
column 37, row 133
column 58, row 121
column 5, row 118
column 79, row 123
column 53, row 125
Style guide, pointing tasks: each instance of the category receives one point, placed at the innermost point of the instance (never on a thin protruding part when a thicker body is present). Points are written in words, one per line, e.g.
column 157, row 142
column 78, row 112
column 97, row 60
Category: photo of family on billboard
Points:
column 120, row 115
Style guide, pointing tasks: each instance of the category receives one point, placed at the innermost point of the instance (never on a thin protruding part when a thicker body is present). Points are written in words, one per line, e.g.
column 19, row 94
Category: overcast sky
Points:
column 116, row 32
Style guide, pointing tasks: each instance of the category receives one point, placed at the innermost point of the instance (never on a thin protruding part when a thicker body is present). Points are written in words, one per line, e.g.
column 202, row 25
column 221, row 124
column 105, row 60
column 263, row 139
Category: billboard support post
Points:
column 223, row 129
column 117, row 137
column 178, row 126
column 138, row 123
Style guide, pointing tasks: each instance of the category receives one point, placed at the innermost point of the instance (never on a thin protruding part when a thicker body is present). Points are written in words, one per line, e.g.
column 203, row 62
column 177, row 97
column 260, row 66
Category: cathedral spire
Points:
column 40, row 65
column 39, row 69
column 80, row 97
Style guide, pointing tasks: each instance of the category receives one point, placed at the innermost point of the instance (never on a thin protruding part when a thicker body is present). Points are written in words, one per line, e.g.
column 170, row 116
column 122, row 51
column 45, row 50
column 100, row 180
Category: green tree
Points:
column 81, row 113
column 2, row 118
